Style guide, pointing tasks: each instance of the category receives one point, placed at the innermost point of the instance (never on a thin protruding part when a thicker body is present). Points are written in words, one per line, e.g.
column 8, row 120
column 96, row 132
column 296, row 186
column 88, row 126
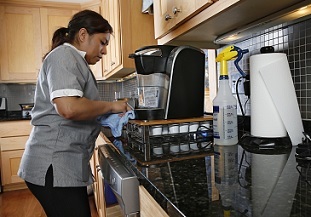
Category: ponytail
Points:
column 59, row 37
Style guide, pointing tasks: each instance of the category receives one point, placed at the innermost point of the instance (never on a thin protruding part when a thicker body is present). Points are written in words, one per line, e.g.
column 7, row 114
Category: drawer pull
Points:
column 176, row 10
column 167, row 17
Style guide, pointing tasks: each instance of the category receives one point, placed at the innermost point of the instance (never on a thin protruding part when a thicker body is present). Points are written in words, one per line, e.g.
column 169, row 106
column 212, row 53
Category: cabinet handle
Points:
column 113, row 63
column 167, row 17
column 176, row 10
column 98, row 168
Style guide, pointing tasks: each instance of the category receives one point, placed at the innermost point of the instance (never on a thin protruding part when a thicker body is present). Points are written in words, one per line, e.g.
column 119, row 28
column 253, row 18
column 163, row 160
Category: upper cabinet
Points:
column 132, row 30
column 28, row 27
column 169, row 14
column 97, row 69
column 212, row 21
column 113, row 59
column 20, row 42
column 26, row 37
column 51, row 20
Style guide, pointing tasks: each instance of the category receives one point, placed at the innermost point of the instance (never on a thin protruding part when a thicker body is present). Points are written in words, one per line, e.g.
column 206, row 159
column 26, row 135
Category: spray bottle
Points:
column 225, row 122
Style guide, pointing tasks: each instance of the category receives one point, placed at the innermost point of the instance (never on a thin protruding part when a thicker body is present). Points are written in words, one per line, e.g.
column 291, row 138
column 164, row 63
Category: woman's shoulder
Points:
column 62, row 50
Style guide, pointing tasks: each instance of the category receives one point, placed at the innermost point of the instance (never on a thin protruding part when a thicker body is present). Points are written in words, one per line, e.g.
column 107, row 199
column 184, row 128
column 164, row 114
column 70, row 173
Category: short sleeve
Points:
column 64, row 73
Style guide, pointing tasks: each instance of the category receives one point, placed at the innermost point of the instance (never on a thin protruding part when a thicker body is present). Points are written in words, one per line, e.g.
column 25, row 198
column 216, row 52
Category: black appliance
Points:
column 170, row 82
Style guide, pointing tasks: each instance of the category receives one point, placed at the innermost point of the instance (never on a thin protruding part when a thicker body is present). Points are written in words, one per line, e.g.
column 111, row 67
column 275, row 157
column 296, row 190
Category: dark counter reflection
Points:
column 235, row 180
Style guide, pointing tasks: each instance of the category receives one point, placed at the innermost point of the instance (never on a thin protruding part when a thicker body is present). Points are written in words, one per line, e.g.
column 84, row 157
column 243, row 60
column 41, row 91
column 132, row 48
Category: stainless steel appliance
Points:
column 121, row 179
column 170, row 82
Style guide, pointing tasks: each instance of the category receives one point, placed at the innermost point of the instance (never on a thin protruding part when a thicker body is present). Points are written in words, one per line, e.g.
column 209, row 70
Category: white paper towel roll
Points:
column 274, row 107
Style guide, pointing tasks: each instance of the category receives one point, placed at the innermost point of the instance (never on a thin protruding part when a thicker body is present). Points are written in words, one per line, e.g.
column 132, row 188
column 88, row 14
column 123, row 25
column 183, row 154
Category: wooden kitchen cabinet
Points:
column 132, row 30
column 22, row 63
column 97, row 69
column 148, row 206
column 26, row 37
column 51, row 20
column 98, row 187
column 20, row 42
column 13, row 137
column 169, row 14
column 163, row 17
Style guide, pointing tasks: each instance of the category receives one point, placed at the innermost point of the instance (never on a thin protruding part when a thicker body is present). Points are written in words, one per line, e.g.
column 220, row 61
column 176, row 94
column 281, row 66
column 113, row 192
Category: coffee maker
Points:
column 170, row 82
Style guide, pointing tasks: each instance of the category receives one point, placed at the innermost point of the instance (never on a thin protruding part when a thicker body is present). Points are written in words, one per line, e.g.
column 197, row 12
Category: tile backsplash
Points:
column 24, row 93
column 17, row 94
column 293, row 40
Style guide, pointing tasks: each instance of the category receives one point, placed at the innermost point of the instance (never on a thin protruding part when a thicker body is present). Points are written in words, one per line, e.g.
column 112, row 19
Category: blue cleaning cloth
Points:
column 115, row 122
column 119, row 145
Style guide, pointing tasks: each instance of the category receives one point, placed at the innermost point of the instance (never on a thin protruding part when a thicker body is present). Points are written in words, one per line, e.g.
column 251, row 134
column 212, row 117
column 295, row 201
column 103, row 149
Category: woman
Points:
column 55, row 164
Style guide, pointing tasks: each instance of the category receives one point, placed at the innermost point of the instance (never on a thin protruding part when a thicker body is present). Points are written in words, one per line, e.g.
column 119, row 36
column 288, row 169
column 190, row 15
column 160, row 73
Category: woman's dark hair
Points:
column 90, row 20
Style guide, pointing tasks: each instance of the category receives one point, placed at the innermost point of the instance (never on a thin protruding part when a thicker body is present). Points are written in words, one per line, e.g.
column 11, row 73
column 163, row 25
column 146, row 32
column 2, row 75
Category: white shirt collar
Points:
column 82, row 53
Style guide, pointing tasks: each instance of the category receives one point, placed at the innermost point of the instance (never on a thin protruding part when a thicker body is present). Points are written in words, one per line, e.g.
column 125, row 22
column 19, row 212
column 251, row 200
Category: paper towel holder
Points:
column 267, row 49
column 262, row 145
column 269, row 118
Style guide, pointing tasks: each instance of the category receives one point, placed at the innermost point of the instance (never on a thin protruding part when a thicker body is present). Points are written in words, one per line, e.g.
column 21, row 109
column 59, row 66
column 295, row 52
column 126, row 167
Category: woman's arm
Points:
column 81, row 108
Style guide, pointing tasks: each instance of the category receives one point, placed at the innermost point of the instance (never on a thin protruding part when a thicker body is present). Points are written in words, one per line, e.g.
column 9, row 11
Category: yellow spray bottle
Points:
column 225, row 123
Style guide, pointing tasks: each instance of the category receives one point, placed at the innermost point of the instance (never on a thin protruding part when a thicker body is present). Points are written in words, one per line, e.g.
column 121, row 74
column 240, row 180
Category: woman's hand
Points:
column 120, row 107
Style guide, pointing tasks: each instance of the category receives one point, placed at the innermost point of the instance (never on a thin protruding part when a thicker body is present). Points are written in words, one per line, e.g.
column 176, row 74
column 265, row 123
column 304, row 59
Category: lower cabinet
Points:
column 13, row 137
column 98, row 186
column 148, row 206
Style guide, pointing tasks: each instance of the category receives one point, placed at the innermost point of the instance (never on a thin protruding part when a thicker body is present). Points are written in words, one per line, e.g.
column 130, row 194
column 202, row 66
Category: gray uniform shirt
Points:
column 65, row 144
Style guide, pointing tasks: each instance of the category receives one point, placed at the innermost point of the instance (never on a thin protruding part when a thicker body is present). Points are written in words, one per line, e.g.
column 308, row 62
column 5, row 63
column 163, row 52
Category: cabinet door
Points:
column 15, row 128
column 115, row 40
column 100, row 196
column 106, row 59
column 51, row 20
column 163, row 16
column 20, row 42
column 112, row 60
column 98, row 186
column 12, row 149
column 10, row 161
column 132, row 30
column 182, row 9
column 169, row 14
column 148, row 206
column 97, row 69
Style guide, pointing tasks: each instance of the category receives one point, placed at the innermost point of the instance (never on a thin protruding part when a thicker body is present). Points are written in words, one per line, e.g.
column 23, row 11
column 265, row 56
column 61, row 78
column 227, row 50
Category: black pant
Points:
column 61, row 201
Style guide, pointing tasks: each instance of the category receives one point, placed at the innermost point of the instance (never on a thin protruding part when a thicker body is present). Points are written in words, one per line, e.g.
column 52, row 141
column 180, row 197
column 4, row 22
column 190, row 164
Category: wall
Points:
column 24, row 93
column 295, row 42
column 16, row 94
column 126, row 88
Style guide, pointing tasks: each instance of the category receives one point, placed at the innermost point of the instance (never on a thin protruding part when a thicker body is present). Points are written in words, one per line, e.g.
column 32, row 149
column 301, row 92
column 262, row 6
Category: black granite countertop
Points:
column 240, row 180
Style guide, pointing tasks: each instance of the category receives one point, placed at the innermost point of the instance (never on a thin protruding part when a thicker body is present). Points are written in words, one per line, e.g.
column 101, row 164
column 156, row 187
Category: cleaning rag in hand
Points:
column 116, row 122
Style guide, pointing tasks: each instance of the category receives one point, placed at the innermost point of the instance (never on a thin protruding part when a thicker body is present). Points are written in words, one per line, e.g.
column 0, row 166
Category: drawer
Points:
column 15, row 128
column 13, row 143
